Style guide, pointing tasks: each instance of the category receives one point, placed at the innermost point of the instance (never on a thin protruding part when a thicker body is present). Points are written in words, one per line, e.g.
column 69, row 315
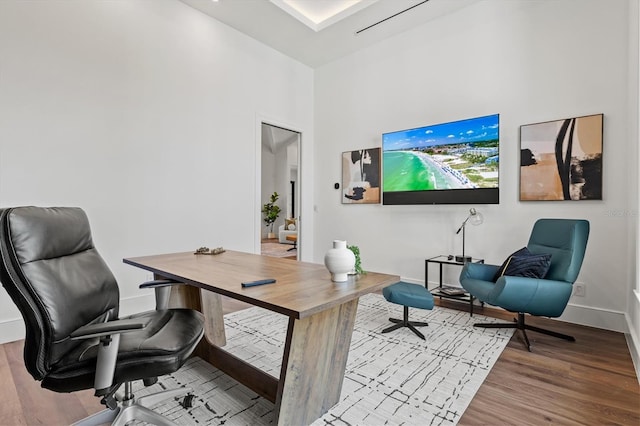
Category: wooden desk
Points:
column 321, row 319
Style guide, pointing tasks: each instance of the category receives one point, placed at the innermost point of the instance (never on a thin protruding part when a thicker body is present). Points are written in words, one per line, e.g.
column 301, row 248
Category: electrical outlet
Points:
column 579, row 289
column 148, row 276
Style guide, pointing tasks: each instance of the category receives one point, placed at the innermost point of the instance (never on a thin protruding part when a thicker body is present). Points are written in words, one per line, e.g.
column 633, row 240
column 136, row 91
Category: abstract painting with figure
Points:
column 562, row 159
column 361, row 176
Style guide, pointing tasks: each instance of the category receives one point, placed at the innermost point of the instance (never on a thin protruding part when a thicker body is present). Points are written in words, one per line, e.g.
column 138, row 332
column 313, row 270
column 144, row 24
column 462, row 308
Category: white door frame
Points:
column 260, row 120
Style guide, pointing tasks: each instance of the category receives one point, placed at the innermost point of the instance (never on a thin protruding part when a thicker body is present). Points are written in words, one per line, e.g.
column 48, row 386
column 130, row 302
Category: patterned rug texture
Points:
column 391, row 379
column 277, row 250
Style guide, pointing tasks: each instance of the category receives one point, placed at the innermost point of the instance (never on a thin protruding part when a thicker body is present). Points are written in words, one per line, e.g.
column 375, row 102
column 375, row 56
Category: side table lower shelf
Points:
column 464, row 297
column 437, row 291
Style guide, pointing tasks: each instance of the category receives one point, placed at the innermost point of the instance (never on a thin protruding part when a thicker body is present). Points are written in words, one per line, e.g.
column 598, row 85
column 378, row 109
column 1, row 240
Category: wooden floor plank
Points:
column 590, row 381
column 41, row 406
column 12, row 411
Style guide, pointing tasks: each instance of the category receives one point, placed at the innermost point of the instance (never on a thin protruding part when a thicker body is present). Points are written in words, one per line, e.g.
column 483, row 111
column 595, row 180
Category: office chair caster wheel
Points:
column 150, row 381
column 187, row 402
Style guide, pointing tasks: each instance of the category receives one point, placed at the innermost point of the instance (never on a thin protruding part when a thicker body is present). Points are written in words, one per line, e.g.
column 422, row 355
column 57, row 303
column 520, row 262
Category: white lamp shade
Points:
column 476, row 218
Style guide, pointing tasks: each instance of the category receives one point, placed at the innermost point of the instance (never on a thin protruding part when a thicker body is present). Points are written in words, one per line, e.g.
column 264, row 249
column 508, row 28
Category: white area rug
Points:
column 391, row 379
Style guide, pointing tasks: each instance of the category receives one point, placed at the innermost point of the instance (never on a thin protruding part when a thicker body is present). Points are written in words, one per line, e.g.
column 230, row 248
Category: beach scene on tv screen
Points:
column 457, row 155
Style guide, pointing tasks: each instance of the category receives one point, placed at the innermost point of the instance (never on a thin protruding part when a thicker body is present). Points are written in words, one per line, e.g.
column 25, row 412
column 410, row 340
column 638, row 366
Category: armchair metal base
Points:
column 520, row 325
column 131, row 408
column 404, row 322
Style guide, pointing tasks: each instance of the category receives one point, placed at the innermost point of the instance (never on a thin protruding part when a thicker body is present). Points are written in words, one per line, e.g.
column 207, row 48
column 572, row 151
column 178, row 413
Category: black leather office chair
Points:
column 69, row 301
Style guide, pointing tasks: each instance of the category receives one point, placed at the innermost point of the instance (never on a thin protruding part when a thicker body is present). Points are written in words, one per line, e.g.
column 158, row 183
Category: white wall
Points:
column 144, row 113
column 530, row 61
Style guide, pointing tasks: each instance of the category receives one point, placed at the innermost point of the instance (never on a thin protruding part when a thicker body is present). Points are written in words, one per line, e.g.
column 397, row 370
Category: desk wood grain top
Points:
column 301, row 289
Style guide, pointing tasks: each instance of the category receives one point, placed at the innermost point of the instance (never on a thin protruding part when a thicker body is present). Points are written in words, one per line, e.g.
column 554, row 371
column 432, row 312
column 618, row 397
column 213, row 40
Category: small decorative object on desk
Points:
column 207, row 250
column 452, row 291
column 339, row 261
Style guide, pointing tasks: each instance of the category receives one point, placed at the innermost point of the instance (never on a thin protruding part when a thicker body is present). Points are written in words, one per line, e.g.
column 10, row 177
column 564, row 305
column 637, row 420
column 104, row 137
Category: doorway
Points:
column 279, row 173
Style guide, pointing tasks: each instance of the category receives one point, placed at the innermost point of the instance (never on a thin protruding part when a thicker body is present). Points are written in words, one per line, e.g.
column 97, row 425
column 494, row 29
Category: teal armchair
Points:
column 566, row 241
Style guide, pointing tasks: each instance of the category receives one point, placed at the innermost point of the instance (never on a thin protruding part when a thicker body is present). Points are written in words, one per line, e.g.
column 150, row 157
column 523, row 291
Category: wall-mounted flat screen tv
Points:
column 448, row 163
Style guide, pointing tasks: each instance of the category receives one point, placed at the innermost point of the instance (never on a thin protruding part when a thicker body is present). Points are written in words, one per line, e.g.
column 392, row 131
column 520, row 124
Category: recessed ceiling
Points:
column 318, row 15
column 328, row 33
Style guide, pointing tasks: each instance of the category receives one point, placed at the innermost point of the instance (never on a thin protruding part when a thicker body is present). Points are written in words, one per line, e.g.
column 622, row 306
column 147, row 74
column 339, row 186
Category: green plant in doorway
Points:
column 271, row 211
column 357, row 269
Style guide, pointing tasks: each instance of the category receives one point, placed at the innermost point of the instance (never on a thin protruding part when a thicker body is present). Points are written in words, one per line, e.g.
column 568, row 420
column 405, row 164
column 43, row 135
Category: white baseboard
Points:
column 13, row 329
column 595, row 317
column 633, row 336
column 579, row 314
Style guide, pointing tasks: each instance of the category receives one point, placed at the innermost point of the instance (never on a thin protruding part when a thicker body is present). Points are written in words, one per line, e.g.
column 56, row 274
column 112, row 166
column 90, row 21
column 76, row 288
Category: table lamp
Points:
column 476, row 219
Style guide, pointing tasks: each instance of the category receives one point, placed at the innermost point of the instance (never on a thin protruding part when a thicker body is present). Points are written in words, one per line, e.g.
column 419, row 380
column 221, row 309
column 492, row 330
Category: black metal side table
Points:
column 448, row 292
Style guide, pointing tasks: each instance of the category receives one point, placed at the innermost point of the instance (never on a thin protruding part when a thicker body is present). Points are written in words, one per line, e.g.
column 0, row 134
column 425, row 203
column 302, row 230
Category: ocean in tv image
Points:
column 457, row 155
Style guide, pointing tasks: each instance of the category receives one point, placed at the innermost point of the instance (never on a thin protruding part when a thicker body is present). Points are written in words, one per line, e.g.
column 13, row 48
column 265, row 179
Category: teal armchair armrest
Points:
column 476, row 278
column 478, row 271
column 532, row 295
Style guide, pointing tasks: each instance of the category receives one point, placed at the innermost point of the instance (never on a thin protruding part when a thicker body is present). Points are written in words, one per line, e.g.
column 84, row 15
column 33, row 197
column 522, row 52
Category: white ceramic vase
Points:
column 339, row 261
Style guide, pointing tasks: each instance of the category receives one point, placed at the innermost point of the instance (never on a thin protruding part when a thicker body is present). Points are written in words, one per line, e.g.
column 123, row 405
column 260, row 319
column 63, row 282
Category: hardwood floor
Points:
column 591, row 381
column 587, row 382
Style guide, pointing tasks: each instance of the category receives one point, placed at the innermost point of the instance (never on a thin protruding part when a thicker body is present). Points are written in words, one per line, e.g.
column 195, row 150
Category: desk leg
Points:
column 207, row 302
column 314, row 363
column 213, row 318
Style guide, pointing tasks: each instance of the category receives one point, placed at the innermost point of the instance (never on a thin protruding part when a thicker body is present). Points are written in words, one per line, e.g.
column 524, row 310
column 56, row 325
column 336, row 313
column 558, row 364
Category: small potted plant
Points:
column 271, row 211
column 357, row 268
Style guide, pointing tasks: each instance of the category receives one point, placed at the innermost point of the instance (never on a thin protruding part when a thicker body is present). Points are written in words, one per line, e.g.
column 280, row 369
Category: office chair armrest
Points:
column 108, row 328
column 109, row 334
column 162, row 289
column 158, row 283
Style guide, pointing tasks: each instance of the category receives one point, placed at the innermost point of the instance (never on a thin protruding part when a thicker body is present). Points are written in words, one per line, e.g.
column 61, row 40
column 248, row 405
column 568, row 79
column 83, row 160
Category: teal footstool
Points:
column 408, row 295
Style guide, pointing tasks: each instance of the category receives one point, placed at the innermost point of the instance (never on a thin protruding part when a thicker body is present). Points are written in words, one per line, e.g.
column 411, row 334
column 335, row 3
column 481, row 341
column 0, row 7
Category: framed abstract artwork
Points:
column 361, row 176
column 562, row 159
